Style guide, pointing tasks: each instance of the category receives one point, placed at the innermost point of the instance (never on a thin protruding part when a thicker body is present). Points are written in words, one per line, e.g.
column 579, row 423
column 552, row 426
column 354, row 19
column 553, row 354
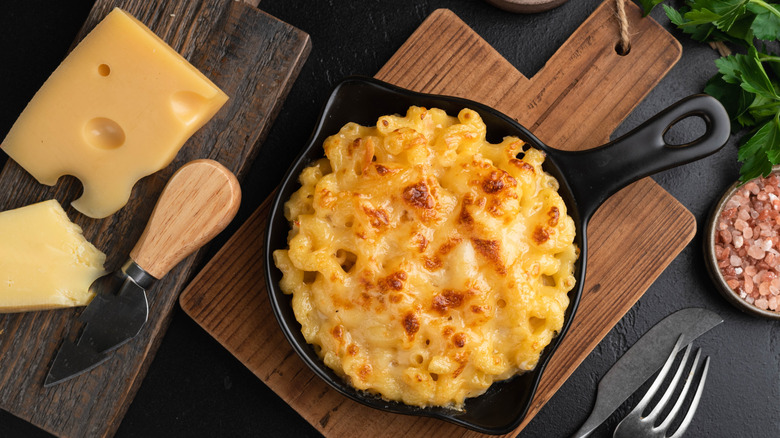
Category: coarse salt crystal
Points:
column 747, row 237
column 756, row 252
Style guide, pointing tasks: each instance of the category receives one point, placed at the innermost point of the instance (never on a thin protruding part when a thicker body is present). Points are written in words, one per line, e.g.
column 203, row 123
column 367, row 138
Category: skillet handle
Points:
column 596, row 174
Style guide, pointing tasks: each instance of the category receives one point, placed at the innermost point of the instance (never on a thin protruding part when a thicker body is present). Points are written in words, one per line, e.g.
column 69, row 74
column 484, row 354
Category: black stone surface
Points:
column 195, row 388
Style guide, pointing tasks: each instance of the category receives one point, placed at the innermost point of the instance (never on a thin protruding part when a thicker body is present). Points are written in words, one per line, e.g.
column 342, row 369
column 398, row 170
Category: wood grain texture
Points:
column 198, row 202
column 632, row 237
column 252, row 57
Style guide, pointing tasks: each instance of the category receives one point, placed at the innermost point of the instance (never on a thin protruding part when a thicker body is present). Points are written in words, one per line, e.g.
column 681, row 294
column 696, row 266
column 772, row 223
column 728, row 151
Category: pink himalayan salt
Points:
column 756, row 252
column 747, row 242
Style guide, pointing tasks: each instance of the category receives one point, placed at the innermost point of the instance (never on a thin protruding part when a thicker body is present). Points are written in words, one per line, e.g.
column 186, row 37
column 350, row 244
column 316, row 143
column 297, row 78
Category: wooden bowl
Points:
column 526, row 6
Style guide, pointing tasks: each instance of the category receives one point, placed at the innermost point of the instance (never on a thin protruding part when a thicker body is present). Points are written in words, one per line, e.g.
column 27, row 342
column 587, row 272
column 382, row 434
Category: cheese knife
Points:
column 198, row 202
column 643, row 359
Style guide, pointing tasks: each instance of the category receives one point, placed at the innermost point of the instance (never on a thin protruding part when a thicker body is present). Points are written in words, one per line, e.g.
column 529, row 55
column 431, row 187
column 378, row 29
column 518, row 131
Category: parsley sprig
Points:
column 746, row 84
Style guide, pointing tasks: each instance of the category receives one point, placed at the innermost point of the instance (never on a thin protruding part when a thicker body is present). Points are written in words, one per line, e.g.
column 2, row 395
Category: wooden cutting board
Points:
column 251, row 56
column 575, row 102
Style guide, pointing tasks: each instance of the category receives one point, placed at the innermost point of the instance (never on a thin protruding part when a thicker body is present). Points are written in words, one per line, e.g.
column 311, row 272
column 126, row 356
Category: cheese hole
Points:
column 104, row 70
column 309, row 277
column 548, row 280
column 418, row 358
column 501, row 303
column 104, row 133
column 187, row 106
column 434, row 376
column 346, row 259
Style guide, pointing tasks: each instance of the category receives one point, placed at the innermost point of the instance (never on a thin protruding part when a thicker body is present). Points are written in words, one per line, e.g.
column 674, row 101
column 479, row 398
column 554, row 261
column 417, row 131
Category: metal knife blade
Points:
column 116, row 315
column 643, row 359
column 198, row 202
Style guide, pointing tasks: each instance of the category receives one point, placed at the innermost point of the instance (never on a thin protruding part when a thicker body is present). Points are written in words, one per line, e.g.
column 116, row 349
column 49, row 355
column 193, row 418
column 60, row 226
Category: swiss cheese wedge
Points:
column 118, row 108
column 45, row 261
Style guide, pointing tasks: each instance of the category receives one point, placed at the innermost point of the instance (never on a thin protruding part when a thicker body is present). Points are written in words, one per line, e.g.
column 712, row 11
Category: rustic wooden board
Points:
column 574, row 102
column 251, row 56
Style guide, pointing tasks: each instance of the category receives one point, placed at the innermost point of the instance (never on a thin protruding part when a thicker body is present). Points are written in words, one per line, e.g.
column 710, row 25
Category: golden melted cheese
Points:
column 425, row 263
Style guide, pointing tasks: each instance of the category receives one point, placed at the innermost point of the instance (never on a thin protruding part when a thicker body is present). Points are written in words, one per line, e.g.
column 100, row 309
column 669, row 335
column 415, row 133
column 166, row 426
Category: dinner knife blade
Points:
column 643, row 359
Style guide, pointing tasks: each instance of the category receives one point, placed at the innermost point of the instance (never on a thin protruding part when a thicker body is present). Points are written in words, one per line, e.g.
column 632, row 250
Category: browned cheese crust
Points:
column 424, row 262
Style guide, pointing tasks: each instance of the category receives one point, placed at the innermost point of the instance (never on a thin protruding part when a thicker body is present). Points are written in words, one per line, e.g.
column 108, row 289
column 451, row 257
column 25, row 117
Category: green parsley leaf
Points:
column 736, row 101
column 747, row 71
column 648, row 5
column 674, row 15
column 766, row 25
column 759, row 152
column 700, row 23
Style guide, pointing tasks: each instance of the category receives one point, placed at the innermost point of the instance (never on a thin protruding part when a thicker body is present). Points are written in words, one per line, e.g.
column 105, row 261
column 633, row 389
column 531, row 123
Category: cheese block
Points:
column 45, row 261
column 118, row 108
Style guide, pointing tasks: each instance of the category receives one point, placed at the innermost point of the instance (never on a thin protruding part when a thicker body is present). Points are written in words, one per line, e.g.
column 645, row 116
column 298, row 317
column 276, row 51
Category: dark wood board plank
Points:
column 579, row 97
column 251, row 56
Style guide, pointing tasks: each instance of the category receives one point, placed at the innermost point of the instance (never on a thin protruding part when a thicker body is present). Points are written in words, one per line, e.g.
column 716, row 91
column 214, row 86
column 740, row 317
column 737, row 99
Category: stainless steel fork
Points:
column 637, row 426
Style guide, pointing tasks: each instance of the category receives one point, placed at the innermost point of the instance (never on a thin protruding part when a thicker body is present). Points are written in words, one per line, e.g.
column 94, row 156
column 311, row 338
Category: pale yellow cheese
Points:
column 118, row 108
column 45, row 261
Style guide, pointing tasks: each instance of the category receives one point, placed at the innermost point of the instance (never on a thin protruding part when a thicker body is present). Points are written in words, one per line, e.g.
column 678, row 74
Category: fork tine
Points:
column 653, row 415
column 695, row 402
column 640, row 407
column 681, row 398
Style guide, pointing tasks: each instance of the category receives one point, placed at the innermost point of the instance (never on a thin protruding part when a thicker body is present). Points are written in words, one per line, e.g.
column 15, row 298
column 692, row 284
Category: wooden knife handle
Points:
column 198, row 202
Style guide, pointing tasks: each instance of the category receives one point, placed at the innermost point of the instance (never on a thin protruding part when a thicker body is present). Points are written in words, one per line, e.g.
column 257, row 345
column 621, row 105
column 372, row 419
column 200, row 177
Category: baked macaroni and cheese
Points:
column 425, row 263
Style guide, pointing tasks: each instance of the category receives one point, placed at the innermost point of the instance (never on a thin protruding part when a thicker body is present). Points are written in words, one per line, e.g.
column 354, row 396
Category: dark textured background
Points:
column 197, row 389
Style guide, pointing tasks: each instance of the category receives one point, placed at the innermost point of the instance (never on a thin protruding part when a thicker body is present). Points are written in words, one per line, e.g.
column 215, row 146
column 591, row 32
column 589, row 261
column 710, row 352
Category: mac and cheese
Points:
column 425, row 263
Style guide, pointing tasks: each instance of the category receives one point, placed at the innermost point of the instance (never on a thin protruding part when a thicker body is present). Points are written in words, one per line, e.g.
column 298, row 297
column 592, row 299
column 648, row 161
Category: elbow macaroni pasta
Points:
column 425, row 263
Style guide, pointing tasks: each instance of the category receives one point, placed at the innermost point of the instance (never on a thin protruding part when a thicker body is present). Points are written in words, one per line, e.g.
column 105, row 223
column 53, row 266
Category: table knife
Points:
column 198, row 202
column 643, row 359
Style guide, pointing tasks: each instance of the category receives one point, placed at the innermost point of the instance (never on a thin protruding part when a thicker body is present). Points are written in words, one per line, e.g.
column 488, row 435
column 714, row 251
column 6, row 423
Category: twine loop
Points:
column 624, row 44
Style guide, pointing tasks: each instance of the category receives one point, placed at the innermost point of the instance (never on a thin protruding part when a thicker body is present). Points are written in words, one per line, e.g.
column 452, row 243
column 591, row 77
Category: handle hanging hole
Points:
column 622, row 49
column 623, row 46
column 685, row 131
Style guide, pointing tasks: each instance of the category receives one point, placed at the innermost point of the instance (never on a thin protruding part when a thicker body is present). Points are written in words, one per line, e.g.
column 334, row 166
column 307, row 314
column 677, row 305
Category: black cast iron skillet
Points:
column 586, row 178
